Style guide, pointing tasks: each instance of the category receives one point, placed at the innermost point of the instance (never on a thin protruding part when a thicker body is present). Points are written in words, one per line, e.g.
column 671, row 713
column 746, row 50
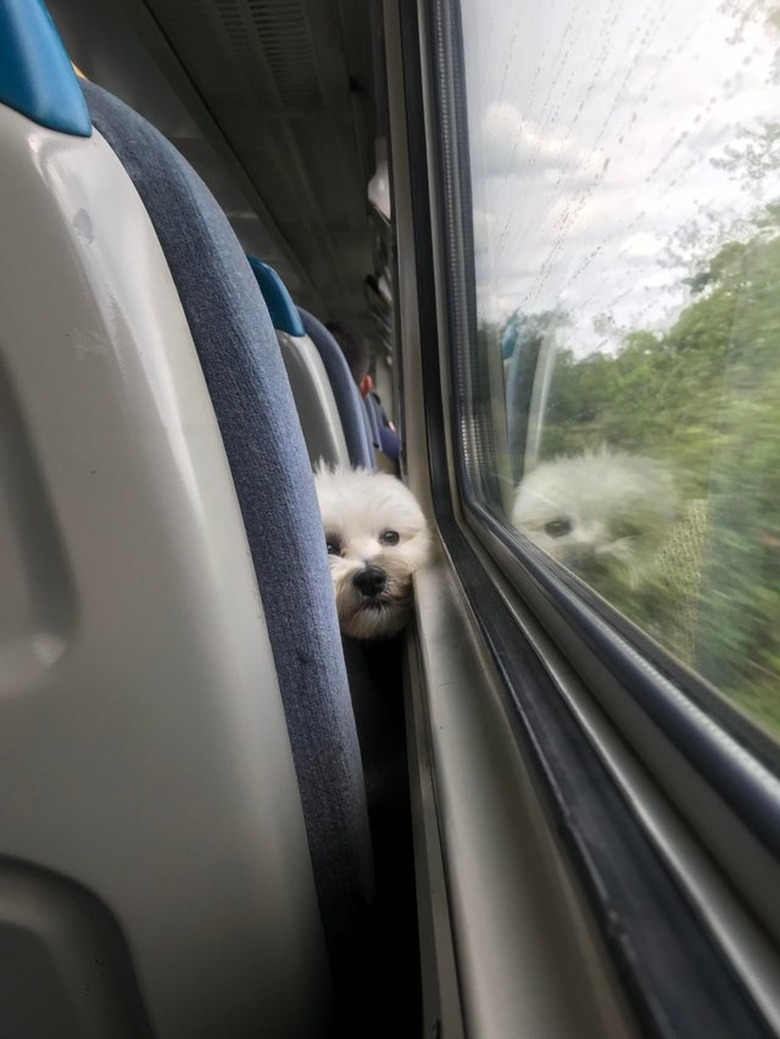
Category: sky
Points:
column 593, row 126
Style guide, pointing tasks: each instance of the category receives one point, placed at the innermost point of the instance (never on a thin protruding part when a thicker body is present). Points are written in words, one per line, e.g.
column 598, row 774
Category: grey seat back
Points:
column 176, row 750
column 353, row 418
column 311, row 387
column 245, row 376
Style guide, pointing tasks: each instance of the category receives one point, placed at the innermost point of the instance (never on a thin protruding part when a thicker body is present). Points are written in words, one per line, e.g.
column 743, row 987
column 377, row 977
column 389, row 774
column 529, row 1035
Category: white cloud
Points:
column 591, row 159
column 484, row 223
column 512, row 144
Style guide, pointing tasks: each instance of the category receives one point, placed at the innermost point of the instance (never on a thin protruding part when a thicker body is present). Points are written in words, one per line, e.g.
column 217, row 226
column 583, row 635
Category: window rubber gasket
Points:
column 747, row 786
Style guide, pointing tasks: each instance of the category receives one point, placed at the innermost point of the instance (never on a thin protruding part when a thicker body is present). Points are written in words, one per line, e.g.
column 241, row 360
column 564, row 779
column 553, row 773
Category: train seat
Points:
column 318, row 412
column 348, row 400
column 185, row 839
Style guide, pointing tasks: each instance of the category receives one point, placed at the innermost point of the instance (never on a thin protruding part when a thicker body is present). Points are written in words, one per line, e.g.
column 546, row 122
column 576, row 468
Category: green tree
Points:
column 704, row 398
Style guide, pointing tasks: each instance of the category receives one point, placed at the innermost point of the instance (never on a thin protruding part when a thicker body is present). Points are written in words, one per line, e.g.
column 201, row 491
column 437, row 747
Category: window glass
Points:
column 625, row 167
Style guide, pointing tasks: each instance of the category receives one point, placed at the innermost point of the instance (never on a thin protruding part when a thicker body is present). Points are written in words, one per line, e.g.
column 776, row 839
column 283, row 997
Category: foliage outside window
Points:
column 626, row 183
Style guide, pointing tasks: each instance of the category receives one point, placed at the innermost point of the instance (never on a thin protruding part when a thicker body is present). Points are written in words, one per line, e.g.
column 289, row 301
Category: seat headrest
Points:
column 36, row 76
column 284, row 314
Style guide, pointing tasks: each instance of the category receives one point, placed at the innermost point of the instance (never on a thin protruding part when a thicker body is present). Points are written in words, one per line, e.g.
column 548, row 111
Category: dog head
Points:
column 377, row 538
column 602, row 514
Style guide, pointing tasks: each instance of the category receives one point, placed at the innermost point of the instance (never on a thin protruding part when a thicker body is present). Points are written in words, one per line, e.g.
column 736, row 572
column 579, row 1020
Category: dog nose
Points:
column 370, row 581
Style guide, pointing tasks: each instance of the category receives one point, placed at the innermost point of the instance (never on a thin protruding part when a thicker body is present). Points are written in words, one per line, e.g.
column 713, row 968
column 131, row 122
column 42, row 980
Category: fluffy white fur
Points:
column 602, row 514
column 377, row 538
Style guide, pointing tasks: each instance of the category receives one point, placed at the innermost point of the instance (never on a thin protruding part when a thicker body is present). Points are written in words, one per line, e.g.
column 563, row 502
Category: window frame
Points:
column 475, row 490
column 661, row 715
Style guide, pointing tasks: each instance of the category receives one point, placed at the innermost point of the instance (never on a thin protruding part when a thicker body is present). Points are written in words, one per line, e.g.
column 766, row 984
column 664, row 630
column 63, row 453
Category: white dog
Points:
column 603, row 514
column 377, row 538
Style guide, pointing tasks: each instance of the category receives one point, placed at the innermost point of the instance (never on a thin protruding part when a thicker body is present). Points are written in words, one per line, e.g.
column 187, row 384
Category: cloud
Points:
column 484, row 223
column 588, row 174
column 643, row 244
column 512, row 144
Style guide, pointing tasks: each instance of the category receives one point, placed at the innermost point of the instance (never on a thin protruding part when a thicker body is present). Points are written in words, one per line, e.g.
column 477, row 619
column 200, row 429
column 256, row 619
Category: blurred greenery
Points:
column 704, row 398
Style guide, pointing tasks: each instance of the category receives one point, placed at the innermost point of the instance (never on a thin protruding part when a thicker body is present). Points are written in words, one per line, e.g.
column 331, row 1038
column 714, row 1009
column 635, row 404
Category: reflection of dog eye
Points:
column 558, row 528
column 389, row 537
column 624, row 530
column 334, row 547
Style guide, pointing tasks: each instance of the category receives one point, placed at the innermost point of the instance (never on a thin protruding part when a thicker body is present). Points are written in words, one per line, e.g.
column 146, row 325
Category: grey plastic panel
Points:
column 314, row 400
column 143, row 747
column 530, row 964
column 66, row 970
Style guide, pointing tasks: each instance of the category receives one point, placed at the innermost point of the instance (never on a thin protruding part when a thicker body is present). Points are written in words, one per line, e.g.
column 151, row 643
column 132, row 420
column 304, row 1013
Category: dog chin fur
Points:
column 358, row 508
column 602, row 513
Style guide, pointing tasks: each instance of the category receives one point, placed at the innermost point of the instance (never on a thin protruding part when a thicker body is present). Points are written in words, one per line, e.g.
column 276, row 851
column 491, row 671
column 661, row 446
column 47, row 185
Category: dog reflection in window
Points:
column 603, row 514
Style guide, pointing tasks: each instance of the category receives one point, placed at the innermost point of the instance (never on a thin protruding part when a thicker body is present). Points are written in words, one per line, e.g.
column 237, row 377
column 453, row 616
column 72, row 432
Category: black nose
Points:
column 370, row 581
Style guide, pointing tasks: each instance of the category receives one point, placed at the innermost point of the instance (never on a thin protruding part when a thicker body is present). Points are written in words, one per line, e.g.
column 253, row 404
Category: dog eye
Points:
column 389, row 537
column 558, row 528
column 334, row 546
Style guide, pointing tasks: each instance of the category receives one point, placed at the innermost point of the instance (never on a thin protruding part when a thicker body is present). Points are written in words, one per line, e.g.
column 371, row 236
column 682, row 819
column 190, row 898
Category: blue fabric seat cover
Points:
column 389, row 441
column 372, row 418
column 240, row 358
column 344, row 389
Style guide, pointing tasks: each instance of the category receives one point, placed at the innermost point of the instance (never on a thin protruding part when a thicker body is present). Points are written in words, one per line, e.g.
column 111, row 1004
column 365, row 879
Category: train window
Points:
column 625, row 176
